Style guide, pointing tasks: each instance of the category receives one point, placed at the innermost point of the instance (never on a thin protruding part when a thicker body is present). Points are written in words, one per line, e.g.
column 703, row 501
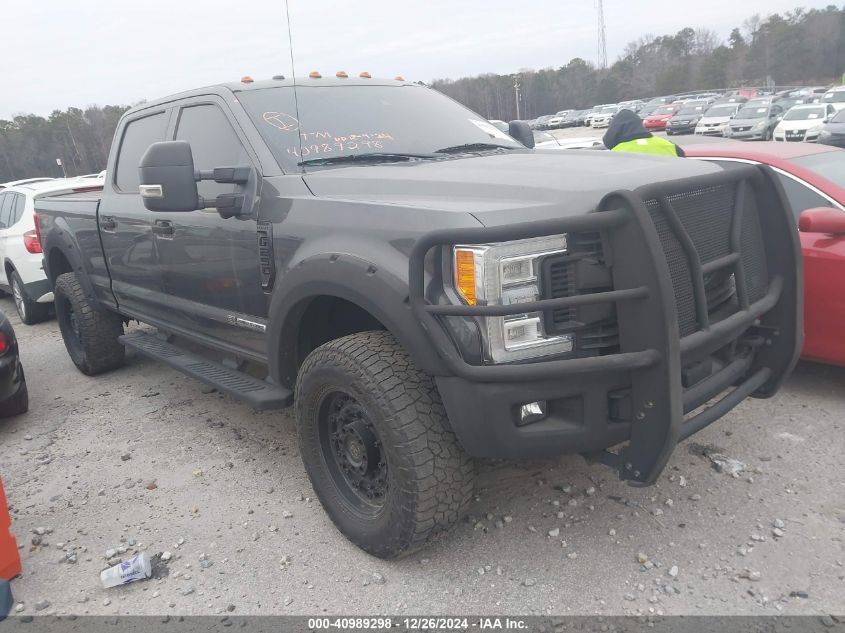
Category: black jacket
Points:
column 627, row 126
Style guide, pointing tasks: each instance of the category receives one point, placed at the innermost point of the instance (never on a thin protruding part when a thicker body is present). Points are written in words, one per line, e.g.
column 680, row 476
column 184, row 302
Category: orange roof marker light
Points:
column 314, row 74
column 341, row 74
column 246, row 79
column 365, row 75
column 399, row 78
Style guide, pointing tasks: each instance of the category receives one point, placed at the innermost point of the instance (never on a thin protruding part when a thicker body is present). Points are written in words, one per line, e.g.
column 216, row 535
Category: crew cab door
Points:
column 124, row 222
column 208, row 264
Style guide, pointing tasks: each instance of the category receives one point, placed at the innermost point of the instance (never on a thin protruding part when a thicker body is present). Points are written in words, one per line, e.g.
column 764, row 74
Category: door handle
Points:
column 107, row 223
column 163, row 227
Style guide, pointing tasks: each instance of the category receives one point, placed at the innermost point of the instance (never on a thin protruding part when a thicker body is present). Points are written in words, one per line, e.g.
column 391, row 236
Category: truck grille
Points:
column 705, row 215
column 581, row 271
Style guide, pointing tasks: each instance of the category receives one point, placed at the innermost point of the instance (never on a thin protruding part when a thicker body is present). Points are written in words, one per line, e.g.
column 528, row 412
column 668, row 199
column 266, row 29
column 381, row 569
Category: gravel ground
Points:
column 146, row 459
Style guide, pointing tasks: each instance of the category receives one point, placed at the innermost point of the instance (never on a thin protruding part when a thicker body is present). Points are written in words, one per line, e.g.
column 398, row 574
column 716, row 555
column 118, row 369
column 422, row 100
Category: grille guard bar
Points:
column 653, row 351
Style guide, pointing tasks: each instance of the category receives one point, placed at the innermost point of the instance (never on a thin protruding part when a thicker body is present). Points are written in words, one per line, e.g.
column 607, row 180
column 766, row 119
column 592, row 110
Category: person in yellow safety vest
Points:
column 627, row 134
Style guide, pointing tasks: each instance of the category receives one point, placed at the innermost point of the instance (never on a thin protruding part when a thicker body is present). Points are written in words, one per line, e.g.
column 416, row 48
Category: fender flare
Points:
column 64, row 244
column 374, row 289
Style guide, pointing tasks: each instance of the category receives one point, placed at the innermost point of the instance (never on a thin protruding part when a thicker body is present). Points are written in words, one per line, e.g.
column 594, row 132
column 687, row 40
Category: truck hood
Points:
column 503, row 188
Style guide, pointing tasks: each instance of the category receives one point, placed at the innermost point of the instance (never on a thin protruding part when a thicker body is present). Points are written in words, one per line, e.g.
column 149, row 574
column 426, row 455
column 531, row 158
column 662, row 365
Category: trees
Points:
column 804, row 47
column 30, row 144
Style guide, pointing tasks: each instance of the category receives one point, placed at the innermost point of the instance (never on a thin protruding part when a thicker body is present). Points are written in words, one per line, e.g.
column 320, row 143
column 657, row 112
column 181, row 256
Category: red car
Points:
column 657, row 120
column 813, row 177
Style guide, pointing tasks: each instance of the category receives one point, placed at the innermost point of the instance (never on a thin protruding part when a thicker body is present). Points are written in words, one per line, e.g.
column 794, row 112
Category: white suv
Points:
column 20, row 251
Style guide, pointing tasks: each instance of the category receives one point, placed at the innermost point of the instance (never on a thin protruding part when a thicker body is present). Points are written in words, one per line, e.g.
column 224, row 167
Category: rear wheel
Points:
column 377, row 445
column 29, row 311
column 90, row 334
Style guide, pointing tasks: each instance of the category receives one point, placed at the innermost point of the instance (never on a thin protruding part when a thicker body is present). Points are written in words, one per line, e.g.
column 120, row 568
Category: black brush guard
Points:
column 768, row 329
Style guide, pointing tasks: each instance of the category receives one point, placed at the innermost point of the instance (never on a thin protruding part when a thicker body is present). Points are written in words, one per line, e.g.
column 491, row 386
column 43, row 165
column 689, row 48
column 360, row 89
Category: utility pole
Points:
column 516, row 95
column 602, row 39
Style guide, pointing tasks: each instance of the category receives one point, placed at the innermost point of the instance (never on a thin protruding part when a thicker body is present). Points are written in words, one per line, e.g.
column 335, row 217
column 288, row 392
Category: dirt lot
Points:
column 144, row 458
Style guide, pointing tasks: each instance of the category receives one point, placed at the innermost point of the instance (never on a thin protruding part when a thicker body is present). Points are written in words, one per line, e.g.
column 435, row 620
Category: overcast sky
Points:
column 60, row 53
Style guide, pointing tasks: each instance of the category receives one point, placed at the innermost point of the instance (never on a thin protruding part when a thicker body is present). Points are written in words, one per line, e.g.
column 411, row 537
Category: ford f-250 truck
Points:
column 425, row 289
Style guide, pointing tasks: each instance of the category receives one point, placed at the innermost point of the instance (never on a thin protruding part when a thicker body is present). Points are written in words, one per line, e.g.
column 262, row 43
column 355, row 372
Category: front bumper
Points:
column 652, row 391
column 808, row 137
column 711, row 131
column 681, row 129
column 748, row 135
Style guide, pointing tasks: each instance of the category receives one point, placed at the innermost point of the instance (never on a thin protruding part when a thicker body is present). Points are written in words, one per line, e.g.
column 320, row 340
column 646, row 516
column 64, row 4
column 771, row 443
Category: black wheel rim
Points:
column 69, row 325
column 353, row 452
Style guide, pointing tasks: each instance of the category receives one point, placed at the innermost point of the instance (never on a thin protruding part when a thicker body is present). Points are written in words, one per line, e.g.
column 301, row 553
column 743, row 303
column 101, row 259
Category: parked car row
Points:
column 712, row 114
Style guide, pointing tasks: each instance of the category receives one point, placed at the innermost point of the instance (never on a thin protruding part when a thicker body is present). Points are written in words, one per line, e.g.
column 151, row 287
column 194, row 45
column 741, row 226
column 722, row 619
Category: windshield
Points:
column 665, row 110
column 829, row 165
column 752, row 113
column 804, row 114
column 834, row 97
column 339, row 122
column 722, row 110
column 690, row 110
column 839, row 117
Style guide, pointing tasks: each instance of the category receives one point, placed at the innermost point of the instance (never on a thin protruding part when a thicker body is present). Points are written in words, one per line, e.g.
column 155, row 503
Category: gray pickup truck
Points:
column 423, row 288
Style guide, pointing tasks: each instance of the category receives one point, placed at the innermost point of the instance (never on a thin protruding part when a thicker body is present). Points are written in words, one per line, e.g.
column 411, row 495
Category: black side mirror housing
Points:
column 168, row 181
column 521, row 131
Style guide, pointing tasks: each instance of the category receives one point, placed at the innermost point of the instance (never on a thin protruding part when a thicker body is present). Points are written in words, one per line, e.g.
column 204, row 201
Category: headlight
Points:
column 760, row 125
column 825, row 134
column 507, row 273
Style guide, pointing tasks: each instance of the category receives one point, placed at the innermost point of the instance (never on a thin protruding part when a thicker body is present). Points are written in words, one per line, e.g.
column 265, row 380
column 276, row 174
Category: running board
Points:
column 257, row 393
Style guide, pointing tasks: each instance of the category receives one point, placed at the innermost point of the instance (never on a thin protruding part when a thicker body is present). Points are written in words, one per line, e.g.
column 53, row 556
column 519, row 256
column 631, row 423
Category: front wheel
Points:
column 377, row 445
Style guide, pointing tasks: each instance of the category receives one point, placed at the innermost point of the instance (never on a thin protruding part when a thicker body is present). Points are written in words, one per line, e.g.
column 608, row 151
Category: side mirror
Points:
column 168, row 181
column 822, row 220
column 521, row 131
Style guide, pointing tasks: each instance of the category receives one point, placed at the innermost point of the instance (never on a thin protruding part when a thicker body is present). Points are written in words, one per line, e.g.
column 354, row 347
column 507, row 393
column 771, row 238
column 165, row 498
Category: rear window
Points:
column 138, row 135
column 7, row 203
column 20, row 202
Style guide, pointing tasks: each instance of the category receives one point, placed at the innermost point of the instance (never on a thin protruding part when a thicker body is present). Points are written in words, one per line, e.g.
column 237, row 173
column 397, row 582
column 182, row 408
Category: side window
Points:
column 213, row 144
column 138, row 135
column 20, row 203
column 7, row 202
column 801, row 197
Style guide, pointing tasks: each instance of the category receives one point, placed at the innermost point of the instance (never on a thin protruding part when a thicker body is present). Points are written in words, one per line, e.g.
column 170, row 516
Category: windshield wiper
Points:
column 373, row 157
column 472, row 147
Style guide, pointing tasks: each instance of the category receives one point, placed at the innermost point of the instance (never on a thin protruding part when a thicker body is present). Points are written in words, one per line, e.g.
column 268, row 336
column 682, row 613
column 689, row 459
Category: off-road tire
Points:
column 17, row 405
column 429, row 477
column 28, row 310
column 93, row 346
